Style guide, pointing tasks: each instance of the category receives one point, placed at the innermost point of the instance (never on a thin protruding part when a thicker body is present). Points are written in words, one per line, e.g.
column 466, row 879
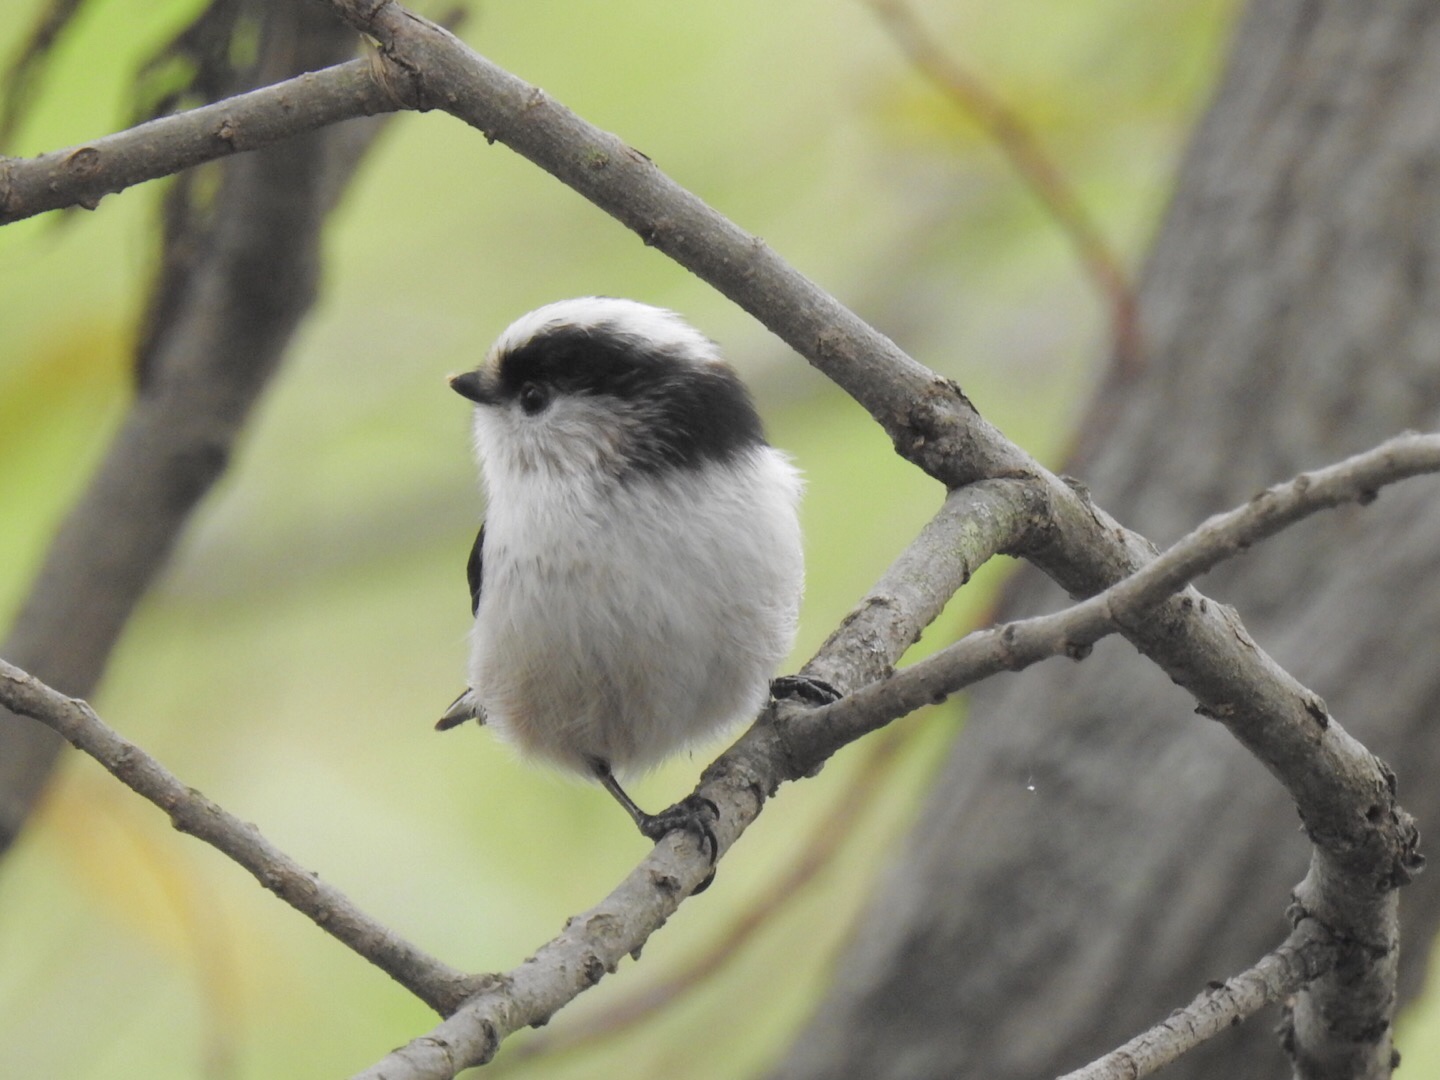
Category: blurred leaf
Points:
column 291, row 663
column 141, row 882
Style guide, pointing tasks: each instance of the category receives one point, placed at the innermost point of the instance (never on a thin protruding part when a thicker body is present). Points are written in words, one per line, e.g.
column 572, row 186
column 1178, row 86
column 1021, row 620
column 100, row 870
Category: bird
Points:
column 637, row 580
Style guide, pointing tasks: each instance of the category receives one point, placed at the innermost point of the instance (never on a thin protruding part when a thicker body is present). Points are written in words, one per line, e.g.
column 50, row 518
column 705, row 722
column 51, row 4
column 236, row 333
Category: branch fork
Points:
column 1000, row 500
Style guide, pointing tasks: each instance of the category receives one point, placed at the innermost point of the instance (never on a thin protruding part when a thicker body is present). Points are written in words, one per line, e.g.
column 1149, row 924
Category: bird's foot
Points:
column 693, row 814
column 805, row 690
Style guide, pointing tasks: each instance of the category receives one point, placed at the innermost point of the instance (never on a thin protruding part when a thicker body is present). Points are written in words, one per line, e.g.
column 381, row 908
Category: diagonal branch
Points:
column 798, row 743
column 1302, row 959
column 433, row 982
column 1365, row 843
column 813, row 855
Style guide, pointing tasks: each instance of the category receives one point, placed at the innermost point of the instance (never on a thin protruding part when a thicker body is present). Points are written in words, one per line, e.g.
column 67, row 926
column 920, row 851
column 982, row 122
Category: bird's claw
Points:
column 804, row 689
column 692, row 814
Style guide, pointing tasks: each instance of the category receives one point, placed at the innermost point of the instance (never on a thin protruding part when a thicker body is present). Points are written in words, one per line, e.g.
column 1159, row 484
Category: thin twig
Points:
column 1010, row 132
column 1072, row 632
column 1303, row 958
column 432, row 981
column 1343, row 792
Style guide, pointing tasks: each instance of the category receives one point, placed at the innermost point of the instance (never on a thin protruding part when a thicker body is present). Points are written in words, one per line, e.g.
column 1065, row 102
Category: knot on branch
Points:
column 362, row 13
column 401, row 80
column 455, row 992
column 1408, row 861
column 927, row 433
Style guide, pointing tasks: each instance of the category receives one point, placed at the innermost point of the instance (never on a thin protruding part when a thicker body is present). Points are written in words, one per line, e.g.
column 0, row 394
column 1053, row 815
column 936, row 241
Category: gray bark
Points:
column 1291, row 315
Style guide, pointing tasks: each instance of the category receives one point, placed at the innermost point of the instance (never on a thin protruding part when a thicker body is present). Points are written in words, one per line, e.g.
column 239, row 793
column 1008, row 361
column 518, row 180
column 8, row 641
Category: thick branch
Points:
column 1320, row 773
column 1339, row 1027
column 1202, row 646
column 433, row 982
column 972, row 525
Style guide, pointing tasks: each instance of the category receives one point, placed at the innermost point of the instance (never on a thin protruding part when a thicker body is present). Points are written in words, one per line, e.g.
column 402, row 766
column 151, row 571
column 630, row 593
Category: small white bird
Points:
column 638, row 576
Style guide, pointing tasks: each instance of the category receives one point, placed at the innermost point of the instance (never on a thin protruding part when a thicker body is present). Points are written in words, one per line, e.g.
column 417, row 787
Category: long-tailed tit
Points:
column 638, row 576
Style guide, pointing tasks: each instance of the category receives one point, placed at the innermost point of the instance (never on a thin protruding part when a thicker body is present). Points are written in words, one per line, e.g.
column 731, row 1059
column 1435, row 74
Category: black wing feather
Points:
column 473, row 568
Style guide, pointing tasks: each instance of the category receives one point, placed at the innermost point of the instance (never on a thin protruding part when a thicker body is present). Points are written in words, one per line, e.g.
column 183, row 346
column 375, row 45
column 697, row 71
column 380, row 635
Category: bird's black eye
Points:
column 533, row 398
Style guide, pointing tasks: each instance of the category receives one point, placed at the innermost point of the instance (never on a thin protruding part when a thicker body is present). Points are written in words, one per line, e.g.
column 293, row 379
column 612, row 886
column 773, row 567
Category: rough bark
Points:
column 1092, row 852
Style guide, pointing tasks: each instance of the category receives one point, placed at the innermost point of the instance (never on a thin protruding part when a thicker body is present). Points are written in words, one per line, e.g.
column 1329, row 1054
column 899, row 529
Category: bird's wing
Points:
column 463, row 708
column 473, row 568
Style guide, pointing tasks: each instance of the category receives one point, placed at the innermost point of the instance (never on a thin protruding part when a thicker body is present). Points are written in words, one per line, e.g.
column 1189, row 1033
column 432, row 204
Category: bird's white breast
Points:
column 624, row 619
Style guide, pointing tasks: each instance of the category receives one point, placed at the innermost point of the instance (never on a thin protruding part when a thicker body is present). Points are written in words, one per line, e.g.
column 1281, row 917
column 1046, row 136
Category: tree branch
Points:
column 1303, row 958
column 1361, row 835
column 1320, row 787
column 433, row 982
column 83, row 175
column 813, row 855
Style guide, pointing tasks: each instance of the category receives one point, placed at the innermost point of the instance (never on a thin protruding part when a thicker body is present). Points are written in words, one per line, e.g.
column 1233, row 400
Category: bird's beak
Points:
column 478, row 386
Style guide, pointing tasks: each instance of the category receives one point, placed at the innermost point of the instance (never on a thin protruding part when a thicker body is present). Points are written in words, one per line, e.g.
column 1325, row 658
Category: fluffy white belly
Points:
column 629, row 626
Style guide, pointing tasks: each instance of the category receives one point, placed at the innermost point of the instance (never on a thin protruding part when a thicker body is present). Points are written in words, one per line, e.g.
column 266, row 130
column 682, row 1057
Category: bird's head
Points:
column 603, row 388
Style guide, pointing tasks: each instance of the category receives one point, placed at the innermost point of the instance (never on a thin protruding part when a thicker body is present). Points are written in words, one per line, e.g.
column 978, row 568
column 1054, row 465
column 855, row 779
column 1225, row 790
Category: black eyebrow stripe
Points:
column 692, row 413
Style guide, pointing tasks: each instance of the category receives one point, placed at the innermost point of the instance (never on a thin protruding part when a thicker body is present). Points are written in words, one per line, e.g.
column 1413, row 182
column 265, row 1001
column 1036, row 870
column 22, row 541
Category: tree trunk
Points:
column 234, row 290
column 1093, row 852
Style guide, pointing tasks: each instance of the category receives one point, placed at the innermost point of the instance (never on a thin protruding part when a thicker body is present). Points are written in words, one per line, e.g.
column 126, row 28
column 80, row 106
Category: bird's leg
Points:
column 693, row 814
column 804, row 689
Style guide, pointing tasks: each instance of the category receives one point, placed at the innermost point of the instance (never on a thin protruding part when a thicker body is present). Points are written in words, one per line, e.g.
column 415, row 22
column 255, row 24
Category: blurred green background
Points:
column 291, row 662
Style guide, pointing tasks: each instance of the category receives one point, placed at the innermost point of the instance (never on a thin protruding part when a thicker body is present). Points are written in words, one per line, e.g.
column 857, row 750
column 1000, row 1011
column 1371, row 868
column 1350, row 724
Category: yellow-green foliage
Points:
column 312, row 626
